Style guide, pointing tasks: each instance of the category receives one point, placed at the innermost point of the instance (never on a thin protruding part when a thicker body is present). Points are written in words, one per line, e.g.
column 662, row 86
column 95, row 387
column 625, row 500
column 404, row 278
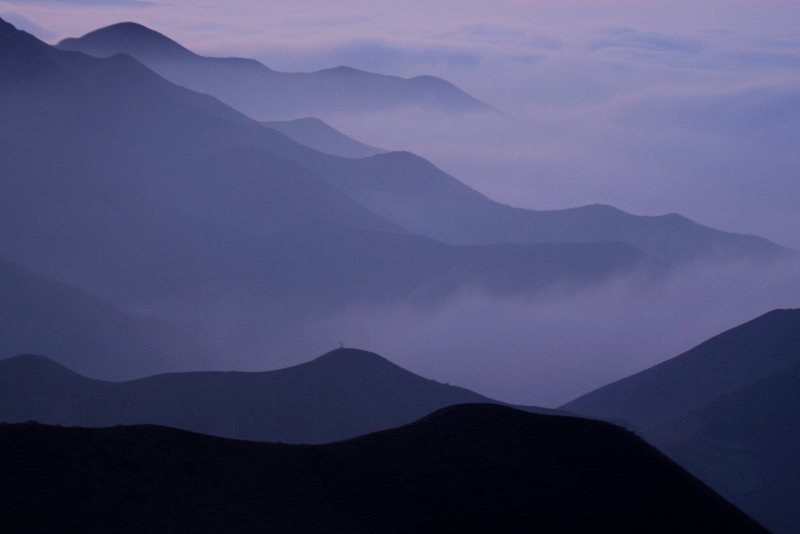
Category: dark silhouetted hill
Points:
column 745, row 446
column 722, row 365
column 467, row 468
column 728, row 411
column 263, row 93
column 342, row 394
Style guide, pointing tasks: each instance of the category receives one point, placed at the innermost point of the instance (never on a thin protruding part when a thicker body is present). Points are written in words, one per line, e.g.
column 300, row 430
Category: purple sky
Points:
column 654, row 107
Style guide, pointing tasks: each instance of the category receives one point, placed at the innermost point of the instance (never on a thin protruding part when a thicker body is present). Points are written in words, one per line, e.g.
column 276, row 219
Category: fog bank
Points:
column 545, row 350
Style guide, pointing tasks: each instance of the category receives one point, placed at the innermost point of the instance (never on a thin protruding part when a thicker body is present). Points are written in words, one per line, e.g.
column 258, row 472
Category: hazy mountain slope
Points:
column 115, row 118
column 418, row 196
column 254, row 190
column 154, row 197
column 84, row 197
column 340, row 395
column 83, row 331
column 745, row 446
column 384, row 265
column 116, row 122
column 309, row 273
column 265, row 94
column 722, row 365
column 316, row 134
column 478, row 468
column 113, row 243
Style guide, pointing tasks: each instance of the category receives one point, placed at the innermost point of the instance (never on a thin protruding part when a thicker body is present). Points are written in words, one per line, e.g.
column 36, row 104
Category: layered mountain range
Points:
column 89, row 334
column 732, row 421
column 411, row 191
column 266, row 94
column 162, row 200
column 146, row 228
column 340, row 395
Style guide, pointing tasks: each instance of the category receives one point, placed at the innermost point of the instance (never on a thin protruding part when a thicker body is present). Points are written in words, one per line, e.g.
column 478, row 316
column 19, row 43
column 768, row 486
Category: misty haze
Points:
column 312, row 223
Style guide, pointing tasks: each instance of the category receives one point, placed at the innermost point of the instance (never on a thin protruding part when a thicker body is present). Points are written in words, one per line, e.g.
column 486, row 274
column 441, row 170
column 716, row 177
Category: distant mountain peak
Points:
column 133, row 29
column 343, row 357
column 134, row 38
column 344, row 70
column 262, row 93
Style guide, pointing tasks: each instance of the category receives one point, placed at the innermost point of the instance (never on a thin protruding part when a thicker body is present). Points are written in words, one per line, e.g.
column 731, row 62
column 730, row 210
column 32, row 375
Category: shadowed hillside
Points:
column 315, row 134
column 728, row 411
column 744, row 445
column 88, row 334
column 339, row 395
column 717, row 367
column 479, row 468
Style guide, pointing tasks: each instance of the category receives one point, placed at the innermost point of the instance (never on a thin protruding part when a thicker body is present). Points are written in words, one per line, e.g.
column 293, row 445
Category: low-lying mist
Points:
column 541, row 351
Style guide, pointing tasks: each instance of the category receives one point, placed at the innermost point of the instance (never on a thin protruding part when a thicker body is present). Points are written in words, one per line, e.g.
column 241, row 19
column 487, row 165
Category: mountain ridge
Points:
column 316, row 134
column 339, row 395
column 473, row 467
column 296, row 94
column 743, row 445
column 721, row 365
column 440, row 206
column 727, row 410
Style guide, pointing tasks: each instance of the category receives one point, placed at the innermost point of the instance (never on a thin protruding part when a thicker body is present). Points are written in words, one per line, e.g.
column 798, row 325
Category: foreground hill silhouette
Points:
column 476, row 468
column 263, row 93
column 342, row 394
column 728, row 411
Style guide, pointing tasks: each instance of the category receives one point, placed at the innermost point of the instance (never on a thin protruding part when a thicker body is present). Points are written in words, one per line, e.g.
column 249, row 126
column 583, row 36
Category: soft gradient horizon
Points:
column 651, row 106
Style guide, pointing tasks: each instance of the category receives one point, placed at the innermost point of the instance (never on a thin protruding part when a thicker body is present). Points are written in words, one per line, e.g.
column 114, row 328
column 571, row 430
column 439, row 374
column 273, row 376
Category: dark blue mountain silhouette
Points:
column 340, row 395
column 466, row 468
column 727, row 411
